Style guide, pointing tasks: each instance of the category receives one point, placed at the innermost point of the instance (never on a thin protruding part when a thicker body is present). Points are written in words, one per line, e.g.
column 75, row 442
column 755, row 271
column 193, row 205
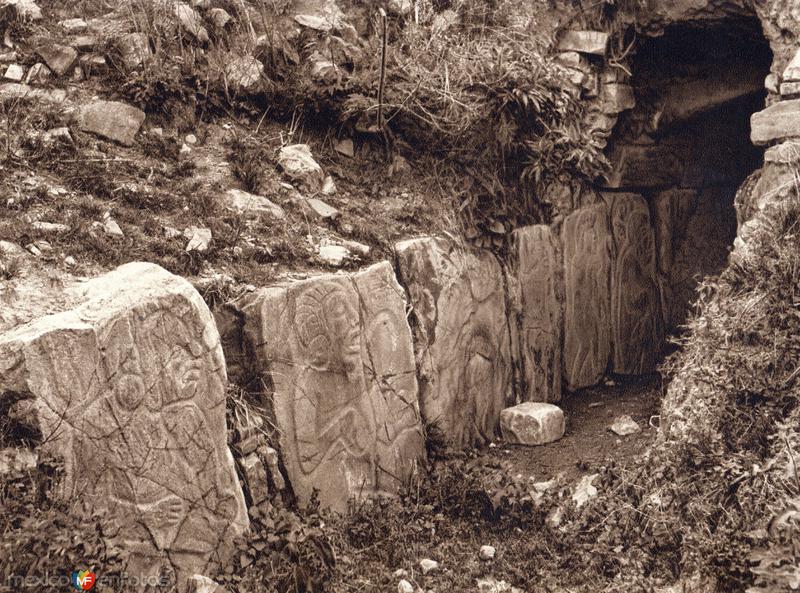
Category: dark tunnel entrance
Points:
column 686, row 146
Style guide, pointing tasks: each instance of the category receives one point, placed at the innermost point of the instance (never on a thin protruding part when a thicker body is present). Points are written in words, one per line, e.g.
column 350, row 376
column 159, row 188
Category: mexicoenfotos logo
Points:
column 83, row 580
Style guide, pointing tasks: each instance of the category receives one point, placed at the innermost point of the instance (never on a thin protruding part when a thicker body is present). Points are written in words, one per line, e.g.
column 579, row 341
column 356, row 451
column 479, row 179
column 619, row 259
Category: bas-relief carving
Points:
column 392, row 375
column 337, row 350
column 587, row 245
column 636, row 309
column 540, row 286
column 135, row 403
column 463, row 340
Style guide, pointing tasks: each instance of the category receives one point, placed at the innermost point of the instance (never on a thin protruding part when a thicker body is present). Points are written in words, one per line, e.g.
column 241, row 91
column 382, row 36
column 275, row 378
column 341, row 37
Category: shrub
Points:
column 46, row 536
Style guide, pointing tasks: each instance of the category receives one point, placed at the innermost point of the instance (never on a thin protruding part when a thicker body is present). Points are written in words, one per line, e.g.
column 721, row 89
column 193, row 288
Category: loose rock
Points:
column 199, row 239
column 427, row 565
column 219, row 17
column 134, row 48
column 584, row 490
column 334, row 255
column 111, row 228
column 532, row 423
column 405, row 587
column 50, row 227
column 73, row 26
column 25, row 10
column 38, row 74
column 112, row 120
column 346, row 147
column 59, row 58
column 244, row 73
column 14, row 72
column 252, row 205
column 191, row 22
column 321, row 209
column 202, row 584
column 299, row 164
column 624, row 426
column 487, row 552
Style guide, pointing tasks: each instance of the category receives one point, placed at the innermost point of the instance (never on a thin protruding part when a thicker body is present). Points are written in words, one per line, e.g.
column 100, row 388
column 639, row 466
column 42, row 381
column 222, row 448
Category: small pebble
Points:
column 427, row 565
column 487, row 552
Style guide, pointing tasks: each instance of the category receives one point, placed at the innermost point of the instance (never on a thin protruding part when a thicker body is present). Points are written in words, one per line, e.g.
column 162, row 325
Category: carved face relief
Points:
column 328, row 329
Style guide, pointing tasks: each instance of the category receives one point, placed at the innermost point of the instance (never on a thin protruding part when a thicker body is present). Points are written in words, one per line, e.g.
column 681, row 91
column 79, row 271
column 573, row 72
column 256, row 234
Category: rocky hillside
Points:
column 273, row 274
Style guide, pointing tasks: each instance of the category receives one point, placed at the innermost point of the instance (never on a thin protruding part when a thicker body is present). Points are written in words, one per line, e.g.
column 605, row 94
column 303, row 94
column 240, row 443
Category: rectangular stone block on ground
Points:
column 336, row 356
column 587, row 244
column 128, row 380
column 540, row 285
column 462, row 336
column 532, row 423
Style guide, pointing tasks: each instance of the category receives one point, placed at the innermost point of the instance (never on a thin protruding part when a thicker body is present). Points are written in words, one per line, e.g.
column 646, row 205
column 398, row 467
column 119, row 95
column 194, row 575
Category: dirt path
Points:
column 588, row 441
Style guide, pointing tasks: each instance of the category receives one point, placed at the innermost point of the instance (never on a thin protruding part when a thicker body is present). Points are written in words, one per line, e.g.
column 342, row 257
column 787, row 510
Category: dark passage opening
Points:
column 686, row 146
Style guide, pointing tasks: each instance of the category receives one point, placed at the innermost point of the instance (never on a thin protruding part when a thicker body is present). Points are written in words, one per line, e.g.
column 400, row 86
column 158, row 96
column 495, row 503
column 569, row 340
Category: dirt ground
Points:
column 588, row 442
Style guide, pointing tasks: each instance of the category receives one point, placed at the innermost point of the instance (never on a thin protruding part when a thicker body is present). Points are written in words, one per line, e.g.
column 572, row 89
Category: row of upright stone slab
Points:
column 352, row 385
column 127, row 372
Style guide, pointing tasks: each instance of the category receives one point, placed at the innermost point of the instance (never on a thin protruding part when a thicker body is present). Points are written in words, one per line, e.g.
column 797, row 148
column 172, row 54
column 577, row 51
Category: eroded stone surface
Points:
column 540, row 301
column 336, row 351
column 587, row 244
column 637, row 322
column 462, row 336
column 129, row 384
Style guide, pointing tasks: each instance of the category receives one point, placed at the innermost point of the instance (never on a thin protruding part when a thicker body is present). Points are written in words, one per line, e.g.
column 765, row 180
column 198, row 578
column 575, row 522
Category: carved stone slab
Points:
column 540, row 284
column 462, row 336
column 129, row 384
column 336, row 356
column 637, row 318
column 587, row 245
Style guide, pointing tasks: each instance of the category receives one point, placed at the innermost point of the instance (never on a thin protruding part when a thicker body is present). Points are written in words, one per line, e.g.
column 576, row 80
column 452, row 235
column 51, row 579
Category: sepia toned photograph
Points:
column 400, row 296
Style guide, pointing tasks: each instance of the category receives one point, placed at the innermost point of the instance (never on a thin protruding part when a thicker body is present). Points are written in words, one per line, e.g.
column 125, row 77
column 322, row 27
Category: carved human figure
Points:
column 159, row 468
column 540, row 287
column 587, row 263
column 637, row 315
column 333, row 421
